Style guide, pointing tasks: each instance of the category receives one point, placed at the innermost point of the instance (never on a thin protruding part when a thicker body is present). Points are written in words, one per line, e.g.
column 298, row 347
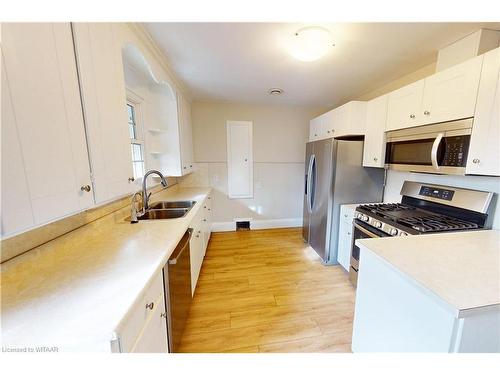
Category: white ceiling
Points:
column 241, row 61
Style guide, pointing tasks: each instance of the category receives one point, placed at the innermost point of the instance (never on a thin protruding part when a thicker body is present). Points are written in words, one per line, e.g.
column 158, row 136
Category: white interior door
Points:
column 239, row 159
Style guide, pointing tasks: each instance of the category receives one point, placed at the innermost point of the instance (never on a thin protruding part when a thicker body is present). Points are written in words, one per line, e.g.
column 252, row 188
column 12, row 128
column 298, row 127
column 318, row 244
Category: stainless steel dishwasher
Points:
column 177, row 285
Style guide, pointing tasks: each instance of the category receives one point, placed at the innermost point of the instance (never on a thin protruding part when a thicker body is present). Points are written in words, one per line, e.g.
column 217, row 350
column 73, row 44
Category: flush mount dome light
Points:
column 275, row 91
column 311, row 43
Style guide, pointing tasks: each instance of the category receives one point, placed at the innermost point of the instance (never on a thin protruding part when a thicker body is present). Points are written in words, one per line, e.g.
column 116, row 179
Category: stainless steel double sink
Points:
column 166, row 210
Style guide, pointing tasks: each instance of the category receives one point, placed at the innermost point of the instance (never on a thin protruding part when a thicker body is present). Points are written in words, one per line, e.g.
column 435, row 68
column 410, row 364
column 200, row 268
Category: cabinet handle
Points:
column 375, row 159
column 328, row 131
column 204, row 219
column 150, row 305
column 185, row 168
column 412, row 116
column 209, row 209
column 190, row 166
column 315, row 135
column 427, row 113
column 348, row 233
column 209, row 198
column 345, row 215
column 204, row 206
column 476, row 161
column 85, row 188
column 163, row 315
column 131, row 179
column 197, row 236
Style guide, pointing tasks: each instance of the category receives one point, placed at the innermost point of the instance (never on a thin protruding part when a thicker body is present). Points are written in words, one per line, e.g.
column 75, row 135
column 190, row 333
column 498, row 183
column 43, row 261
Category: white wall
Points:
column 279, row 138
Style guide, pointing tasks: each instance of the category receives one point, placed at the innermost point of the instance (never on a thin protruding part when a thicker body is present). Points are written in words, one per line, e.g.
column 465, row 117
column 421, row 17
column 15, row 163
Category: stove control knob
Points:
column 403, row 234
column 394, row 232
column 359, row 216
column 378, row 224
column 365, row 218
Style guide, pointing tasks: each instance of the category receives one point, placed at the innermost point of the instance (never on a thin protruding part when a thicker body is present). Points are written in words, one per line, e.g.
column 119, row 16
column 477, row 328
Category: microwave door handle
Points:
column 434, row 150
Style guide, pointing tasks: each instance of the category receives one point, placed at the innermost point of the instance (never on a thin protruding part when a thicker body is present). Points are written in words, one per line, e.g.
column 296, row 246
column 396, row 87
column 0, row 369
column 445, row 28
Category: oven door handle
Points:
column 365, row 231
column 434, row 150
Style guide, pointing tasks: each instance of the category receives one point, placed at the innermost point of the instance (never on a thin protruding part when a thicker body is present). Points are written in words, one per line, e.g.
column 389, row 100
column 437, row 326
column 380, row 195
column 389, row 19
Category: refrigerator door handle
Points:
column 309, row 184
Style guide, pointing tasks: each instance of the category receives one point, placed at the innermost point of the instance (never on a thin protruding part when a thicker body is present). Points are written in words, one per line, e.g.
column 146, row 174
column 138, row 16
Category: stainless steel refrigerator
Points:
column 334, row 176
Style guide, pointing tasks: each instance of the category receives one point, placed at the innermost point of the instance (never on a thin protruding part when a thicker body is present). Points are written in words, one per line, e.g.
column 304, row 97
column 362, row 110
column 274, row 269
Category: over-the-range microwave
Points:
column 437, row 148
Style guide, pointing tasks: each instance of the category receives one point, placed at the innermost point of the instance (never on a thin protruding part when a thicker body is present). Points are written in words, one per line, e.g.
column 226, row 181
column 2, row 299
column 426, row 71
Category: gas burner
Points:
column 437, row 223
column 386, row 207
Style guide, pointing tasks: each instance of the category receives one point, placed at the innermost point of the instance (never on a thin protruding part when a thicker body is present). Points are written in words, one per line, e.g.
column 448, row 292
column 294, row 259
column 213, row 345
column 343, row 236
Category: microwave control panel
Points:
column 429, row 191
column 455, row 151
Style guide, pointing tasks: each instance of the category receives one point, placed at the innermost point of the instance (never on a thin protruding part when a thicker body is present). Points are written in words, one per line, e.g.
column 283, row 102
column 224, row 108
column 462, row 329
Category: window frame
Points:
column 136, row 101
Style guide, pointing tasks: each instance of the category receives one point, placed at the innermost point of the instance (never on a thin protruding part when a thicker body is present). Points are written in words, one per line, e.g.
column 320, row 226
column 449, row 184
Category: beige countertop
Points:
column 73, row 291
column 462, row 269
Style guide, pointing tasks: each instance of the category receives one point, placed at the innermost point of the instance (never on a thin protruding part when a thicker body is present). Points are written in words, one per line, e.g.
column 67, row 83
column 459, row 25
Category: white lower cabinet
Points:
column 152, row 338
column 345, row 235
column 144, row 327
column 202, row 228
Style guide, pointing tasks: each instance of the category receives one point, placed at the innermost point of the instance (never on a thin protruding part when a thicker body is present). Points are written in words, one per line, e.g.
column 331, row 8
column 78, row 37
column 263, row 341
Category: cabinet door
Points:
column 196, row 258
column 42, row 106
column 403, row 106
column 240, row 159
column 104, row 100
column 451, row 94
column 484, row 155
column 186, row 134
column 153, row 337
column 344, row 246
column 328, row 125
column 314, row 128
column 374, row 146
column 341, row 119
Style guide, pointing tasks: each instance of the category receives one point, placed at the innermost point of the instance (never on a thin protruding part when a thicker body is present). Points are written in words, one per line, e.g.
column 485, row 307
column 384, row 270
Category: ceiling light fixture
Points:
column 275, row 91
column 311, row 43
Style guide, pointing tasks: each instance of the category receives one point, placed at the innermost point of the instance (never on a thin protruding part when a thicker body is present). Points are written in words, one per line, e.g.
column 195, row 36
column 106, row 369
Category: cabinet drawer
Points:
column 137, row 317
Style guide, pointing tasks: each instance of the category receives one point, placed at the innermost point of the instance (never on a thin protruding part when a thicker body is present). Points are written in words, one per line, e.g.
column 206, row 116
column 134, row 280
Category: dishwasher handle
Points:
column 181, row 246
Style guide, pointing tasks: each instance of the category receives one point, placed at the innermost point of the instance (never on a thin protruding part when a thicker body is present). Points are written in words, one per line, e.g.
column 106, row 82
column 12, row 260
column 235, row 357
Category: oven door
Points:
column 429, row 149
column 360, row 231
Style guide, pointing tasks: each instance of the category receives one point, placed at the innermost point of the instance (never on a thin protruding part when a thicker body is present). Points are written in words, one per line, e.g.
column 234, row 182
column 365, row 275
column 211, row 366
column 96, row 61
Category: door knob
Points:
column 85, row 188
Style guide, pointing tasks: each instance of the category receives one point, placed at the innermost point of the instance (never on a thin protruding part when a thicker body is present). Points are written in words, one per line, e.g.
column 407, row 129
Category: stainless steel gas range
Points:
column 424, row 208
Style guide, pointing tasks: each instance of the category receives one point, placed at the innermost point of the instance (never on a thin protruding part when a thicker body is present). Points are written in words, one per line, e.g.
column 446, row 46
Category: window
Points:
column 136, row 141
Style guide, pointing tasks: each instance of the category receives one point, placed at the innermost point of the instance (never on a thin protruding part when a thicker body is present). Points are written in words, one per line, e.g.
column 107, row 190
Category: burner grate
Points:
column 437, row 223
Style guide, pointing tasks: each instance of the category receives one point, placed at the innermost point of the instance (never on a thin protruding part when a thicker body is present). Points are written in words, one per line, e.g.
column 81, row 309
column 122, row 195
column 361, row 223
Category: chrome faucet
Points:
column 145, row 196
column 133, row 208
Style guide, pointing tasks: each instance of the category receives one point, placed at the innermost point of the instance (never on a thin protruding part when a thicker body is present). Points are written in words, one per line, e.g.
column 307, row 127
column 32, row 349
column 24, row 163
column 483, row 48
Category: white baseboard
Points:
column 229, row 226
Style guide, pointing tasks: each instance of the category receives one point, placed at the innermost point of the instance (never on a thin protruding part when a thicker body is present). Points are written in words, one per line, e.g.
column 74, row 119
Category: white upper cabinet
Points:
column 445, row 96
column 349, row 119
column 451, row 93
column 104, row 103
column 484, row 155
column 403, row 106
column 44, row 152
column 185, row 134
column 374, row 146
column 314, row 128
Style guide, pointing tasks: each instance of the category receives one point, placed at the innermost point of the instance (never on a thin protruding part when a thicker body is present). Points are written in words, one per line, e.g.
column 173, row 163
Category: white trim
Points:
column 230, row 226
column 226, row 226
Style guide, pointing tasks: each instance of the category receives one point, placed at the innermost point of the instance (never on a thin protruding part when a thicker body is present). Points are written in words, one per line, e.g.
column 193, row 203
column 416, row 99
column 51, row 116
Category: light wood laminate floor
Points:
column 266, row 291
